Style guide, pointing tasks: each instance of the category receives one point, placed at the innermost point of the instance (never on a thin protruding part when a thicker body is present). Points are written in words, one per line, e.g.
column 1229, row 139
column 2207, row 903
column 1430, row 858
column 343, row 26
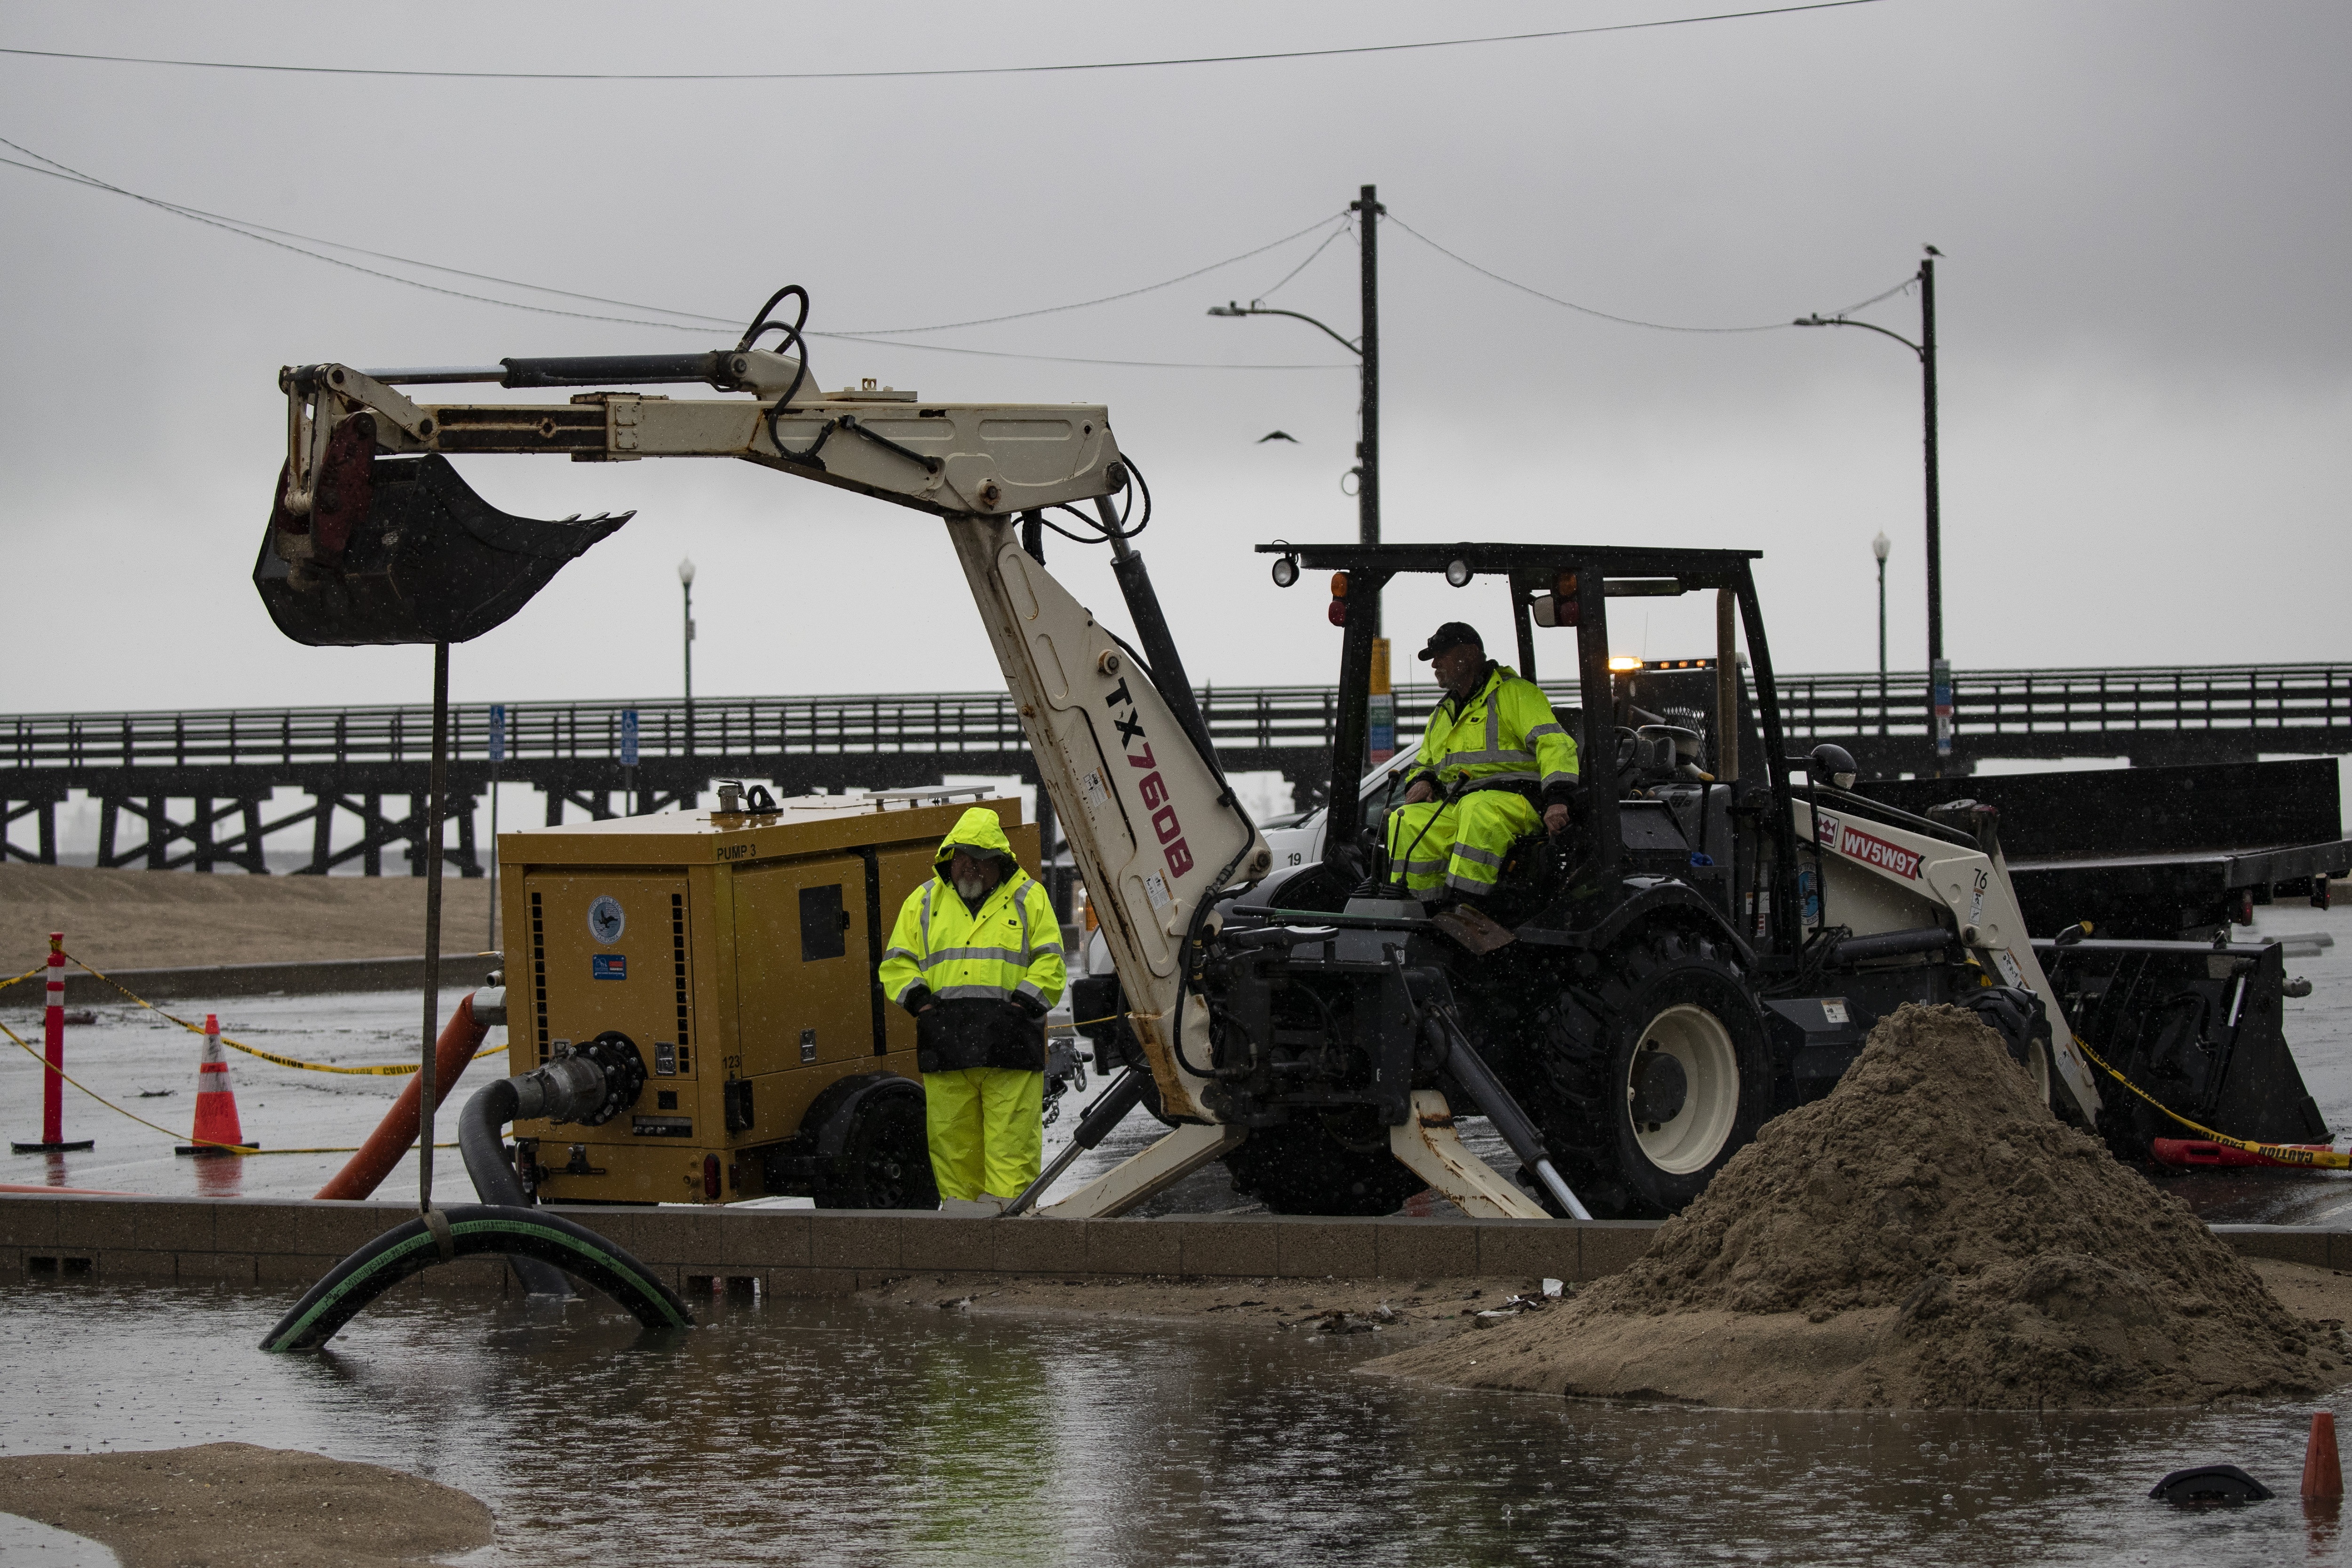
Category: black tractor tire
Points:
column 1665, row 994
column 1334, row 1163
column 886, row 1161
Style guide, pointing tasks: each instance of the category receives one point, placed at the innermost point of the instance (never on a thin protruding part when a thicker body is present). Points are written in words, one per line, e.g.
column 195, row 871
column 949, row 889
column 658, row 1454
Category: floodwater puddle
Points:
column 824, row 1430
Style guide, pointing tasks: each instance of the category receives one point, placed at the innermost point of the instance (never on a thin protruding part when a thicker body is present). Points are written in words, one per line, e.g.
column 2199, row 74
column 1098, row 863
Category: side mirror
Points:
column 1834, row 764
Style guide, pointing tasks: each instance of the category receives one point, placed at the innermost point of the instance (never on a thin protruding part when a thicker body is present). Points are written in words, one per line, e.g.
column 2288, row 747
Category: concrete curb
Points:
column 278, row 1241
column 298, row 979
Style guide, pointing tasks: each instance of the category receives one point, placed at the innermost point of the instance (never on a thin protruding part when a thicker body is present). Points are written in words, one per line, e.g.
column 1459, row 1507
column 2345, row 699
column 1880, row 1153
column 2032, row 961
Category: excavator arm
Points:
column 372, row 538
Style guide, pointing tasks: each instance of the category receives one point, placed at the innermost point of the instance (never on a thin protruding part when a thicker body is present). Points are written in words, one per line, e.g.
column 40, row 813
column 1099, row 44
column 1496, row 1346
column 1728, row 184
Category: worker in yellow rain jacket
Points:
column 1493, row 749
column 976, row 957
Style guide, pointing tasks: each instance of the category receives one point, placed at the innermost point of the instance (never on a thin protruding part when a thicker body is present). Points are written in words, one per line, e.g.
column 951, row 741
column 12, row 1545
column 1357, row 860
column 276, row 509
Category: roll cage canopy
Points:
column 1580, row 579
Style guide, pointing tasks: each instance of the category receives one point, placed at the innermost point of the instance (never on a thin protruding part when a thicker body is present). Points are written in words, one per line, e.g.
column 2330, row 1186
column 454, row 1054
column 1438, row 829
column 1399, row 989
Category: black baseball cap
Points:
column 1453, row 634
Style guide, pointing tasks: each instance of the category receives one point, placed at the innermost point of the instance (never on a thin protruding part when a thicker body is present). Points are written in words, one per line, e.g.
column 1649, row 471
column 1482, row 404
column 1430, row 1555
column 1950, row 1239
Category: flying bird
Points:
column 1277, row 436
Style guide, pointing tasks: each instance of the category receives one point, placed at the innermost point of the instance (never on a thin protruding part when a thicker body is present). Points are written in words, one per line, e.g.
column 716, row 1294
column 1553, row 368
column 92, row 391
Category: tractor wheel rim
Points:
column 1696, row 1039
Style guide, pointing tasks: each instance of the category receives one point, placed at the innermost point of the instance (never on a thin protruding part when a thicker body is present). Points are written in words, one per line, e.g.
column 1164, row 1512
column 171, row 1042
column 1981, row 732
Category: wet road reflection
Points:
column 830, row 1432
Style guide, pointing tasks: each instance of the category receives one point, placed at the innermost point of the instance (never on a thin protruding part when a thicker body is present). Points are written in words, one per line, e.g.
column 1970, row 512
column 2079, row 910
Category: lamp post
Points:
column 1879, row 547
column 1366, row 347
column 1939, row 677
column 686, row 583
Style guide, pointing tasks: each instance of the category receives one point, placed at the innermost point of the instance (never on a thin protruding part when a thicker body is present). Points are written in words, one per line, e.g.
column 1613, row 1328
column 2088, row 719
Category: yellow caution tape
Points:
column 386, row 1069
column 2284, row 1153
column 242, row 1150
column 26, row 975
column 352, row 1149
column 47, row 1066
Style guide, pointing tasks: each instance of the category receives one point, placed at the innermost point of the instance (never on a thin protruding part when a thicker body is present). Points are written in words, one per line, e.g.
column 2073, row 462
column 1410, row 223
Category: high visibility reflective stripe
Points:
column 1550, row 779
column 1541, row 730
column 1029, row 988
column 1411, row 866
column 891, row 952
column 1470, row 884
column 1474, row 759
column 1011, row 955
column 1483, row 857
column 1045, row 947
column 972, row 993
column 927, row 911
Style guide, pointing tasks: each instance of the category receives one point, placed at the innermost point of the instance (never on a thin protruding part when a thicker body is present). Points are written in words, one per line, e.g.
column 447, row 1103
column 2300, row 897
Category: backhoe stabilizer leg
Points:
column 1427, row 1145
column 1148, row 1172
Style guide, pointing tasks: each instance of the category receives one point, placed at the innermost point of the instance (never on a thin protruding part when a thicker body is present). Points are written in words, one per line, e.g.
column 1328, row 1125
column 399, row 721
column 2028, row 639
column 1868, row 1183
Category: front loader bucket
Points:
column 2198, row 1028
column 400, row 550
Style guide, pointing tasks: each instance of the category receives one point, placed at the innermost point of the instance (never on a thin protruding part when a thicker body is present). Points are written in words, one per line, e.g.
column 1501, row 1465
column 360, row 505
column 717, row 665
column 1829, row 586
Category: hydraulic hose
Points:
column 461, row 1036
column 483, row 1144
column 473, row 1229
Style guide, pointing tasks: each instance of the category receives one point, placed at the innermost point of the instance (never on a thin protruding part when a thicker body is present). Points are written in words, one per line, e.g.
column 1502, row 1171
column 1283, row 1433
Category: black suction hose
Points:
column 483, row 1145
column 473, row 1229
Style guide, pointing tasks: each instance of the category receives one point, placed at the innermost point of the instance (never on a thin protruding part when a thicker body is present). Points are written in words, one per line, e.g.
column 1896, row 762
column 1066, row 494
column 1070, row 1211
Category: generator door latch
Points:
column 737, row 1096
column 808, row 1044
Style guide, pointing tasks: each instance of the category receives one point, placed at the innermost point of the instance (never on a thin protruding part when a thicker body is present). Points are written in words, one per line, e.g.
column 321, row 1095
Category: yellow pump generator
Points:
column 719, row 966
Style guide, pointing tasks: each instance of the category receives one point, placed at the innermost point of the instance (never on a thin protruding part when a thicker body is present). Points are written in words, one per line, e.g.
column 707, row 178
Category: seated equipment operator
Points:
column 976, row 957
column 1492, row 750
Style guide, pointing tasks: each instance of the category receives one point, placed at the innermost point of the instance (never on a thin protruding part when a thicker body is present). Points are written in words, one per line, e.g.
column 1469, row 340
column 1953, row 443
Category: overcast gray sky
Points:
column 2143, row 316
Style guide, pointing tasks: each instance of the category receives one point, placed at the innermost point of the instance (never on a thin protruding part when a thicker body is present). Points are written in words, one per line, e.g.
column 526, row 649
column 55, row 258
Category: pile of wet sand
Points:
column 1927, row 1236
column 233, row 1505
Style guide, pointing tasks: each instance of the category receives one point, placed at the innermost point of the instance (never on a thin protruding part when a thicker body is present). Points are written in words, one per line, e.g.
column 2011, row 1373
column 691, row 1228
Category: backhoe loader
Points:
column 1707, row 946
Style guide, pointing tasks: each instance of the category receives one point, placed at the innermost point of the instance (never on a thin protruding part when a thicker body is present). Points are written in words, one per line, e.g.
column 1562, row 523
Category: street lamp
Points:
column 1939, row 675
column 1879, row 547
column 1367, row 350
column 686, row 584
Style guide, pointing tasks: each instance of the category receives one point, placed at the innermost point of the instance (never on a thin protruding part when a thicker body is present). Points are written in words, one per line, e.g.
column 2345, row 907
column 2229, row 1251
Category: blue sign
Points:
column 497, row 735
column 608, row 967
column 1940, row 698
column 628, row 737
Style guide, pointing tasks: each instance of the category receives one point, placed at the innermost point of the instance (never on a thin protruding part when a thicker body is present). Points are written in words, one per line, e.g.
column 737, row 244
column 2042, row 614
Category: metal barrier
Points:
column 229, row 762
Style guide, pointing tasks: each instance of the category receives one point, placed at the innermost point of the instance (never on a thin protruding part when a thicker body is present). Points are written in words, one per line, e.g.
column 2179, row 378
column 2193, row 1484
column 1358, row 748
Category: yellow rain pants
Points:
column 1457, row 846
column 987, row 1130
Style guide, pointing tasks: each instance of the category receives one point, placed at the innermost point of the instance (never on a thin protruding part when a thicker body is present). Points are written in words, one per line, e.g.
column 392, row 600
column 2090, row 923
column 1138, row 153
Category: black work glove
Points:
column 918, row 997
column 1028, row 1006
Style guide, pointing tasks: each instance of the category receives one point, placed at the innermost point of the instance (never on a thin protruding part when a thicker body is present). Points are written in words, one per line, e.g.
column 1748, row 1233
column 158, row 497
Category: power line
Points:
column 940, row 72
column 1346, row 225
column 1067, row 359
column 1104, row 299
column 246, row 229
column 75, row 178
column 1605, row 315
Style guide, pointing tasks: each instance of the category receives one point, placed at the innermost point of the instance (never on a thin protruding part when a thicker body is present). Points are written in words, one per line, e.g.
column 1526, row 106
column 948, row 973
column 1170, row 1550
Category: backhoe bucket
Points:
column 400, row 550
column 2198, row 1028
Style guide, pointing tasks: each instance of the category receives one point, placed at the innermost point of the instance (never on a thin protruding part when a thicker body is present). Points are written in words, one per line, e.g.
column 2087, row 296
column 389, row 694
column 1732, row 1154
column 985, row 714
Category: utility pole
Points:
column 1366, row 347
column 1367, row 445
column 1939, row 671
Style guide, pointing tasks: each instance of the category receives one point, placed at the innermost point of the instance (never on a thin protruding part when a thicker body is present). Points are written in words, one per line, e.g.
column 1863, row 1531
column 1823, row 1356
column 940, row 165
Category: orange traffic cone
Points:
column 2323, row 1470
column 216, row 1101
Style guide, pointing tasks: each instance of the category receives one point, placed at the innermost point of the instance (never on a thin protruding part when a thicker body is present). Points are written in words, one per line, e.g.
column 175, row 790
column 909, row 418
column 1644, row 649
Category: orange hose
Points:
column 396, row 1133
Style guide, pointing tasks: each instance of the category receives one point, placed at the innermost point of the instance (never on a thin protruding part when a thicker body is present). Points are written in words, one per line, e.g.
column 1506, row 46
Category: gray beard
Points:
column 971, row 890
